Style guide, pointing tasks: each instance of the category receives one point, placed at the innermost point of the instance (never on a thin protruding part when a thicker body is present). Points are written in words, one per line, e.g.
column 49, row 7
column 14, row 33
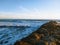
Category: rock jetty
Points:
column 47, row 34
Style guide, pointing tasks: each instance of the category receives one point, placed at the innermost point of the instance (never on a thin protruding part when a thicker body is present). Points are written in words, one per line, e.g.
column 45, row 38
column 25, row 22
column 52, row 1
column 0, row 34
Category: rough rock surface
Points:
column 47, row 34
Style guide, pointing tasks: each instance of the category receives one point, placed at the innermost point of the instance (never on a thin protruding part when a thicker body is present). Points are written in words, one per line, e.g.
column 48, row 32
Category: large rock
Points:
column 47, row 34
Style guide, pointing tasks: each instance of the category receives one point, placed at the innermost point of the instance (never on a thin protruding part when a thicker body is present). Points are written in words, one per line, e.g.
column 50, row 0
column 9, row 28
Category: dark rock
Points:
column 47, row 34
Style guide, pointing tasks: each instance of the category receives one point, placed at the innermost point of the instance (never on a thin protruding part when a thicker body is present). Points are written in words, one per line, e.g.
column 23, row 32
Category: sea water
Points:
column 9, row 35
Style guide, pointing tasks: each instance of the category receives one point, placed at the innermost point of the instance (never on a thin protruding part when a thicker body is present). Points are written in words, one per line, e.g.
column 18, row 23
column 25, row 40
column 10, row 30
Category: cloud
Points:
column 25, row 9
column 31, row 14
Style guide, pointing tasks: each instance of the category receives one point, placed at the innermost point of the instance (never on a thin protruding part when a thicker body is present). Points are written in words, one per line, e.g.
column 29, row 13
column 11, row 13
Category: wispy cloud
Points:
column 33, row 9
column 30, row 14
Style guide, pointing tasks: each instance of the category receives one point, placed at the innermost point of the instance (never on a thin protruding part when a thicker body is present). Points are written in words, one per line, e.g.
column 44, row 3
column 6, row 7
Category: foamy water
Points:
column 9, row 35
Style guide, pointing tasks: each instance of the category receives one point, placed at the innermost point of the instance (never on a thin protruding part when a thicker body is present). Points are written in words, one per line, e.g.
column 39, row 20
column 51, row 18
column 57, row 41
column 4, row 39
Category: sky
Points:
column 29, row 9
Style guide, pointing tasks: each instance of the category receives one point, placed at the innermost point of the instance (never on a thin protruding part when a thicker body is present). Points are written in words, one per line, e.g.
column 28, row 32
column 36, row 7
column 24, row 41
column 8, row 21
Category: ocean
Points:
column 23, row 28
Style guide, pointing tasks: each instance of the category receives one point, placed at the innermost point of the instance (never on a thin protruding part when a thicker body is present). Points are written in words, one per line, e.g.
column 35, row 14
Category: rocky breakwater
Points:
column 47, row 34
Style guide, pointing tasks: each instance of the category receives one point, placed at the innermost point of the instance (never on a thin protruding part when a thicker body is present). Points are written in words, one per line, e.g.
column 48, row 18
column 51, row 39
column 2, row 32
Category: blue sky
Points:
column 30, row 9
